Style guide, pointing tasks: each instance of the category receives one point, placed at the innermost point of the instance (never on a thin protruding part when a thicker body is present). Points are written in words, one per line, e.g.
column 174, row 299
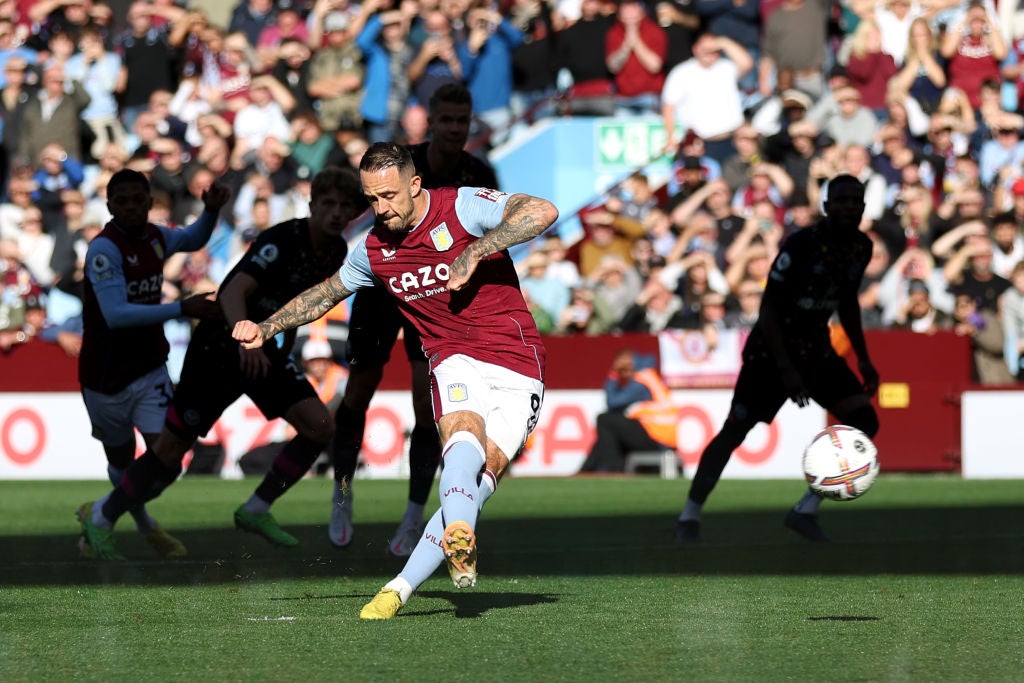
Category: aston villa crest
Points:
column 441, row 238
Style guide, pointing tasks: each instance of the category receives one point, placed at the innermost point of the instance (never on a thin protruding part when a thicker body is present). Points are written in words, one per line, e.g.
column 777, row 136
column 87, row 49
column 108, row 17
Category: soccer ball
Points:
column 840, row 463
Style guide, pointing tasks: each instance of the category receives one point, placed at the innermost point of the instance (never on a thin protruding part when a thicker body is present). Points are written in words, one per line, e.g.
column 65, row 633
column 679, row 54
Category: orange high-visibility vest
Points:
column 659, row 416
column 329, row 387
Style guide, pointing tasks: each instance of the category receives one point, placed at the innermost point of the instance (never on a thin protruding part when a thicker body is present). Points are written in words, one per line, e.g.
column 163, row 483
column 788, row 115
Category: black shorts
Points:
column 373, row 328
column 211, row 381
column 759, row 391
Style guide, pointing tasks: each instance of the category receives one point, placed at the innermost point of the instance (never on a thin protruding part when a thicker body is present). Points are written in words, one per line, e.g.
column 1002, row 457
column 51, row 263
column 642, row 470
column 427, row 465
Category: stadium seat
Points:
column 665, row 462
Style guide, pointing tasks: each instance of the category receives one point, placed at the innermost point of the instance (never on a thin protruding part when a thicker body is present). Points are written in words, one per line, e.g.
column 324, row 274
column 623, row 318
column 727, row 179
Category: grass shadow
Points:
column 921, row 540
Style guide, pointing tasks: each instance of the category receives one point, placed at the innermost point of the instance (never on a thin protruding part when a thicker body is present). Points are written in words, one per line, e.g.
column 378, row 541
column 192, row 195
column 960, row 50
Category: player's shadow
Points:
column 470, row 604
column 866, row 540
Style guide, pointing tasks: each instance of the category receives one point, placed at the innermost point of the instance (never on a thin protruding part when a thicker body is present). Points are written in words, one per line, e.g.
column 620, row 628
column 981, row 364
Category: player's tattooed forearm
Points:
column 311, row 304
column 518, row 225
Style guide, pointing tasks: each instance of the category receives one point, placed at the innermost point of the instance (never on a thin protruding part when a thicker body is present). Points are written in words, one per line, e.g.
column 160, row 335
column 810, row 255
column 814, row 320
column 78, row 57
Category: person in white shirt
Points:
column 702, row 94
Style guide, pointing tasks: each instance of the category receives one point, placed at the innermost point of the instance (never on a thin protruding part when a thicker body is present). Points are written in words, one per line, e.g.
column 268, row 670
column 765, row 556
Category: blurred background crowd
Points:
column 762, row 101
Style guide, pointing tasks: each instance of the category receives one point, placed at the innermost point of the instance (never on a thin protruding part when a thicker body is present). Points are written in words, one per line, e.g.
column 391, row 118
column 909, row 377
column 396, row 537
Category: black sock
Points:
column 349, row 427
column 290, row 465
column 144, row 480
column 424, row 457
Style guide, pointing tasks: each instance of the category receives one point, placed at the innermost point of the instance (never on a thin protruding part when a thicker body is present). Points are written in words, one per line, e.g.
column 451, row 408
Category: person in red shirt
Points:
column 635, row 48
column 974, row 48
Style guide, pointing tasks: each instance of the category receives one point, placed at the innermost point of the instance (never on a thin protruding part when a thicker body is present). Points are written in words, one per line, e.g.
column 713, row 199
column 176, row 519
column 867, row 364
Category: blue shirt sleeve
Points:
column 480, row 209
column 194, row 236
column 355, row 272
column 103, row 268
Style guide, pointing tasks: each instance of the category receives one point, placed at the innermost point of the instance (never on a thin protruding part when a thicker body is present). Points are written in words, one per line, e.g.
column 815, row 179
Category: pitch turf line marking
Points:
column 270, row 618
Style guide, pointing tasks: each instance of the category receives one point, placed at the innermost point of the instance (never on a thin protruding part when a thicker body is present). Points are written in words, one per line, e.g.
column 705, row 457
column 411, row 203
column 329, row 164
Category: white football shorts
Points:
column 142, row 404
column 509, row 402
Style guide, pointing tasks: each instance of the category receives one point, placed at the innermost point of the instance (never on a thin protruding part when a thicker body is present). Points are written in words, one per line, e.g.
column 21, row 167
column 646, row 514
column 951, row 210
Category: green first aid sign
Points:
column 631, row 144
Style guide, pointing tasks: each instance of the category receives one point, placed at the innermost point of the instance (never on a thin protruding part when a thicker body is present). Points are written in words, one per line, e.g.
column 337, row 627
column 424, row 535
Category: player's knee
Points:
column 120, row 456
column 863, row 418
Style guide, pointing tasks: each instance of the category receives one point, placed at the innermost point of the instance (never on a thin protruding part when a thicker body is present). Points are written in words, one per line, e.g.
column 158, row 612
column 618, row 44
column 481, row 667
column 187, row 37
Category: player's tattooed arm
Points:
column 306, row 307
column 525, row 217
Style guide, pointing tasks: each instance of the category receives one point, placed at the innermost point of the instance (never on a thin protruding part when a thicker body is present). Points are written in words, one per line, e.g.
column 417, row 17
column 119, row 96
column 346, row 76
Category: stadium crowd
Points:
column 764, row 101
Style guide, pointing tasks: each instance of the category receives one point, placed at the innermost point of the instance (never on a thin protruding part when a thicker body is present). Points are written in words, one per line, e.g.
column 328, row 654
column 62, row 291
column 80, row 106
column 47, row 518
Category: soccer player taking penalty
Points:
column 442, row 255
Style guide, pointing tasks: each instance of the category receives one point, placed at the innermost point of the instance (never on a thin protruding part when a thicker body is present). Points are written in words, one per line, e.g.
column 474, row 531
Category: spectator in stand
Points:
column 486, row 57
column 288, row 25
column 923, row 75
column 12, row 211
column 716, row 198
column 534, row 65
column 99, row 71
column 794, row 38
column 635, row 49
column 292, row 70
column 309, row 144
column 592, row 92
column 1007, row 244
column 736, row 168
column 702, row 94
column 57, row 172
column 545, row 289
column 856, row 161
column 781, row 109
column 640, row 414
column 969, row 272
column 35, row 248
column 384, row 42
column 230, row 75
column 767, row 183
column 56, row 16
column 616, row 285
column 607, row 233
column 170, row 177
column 584, row 315
column 869, row 67
column 188, row 105
column 252, row 17
column 918, row 314
column 558, row 265
column 336, row 76
column 909, row 222
column 974, row 47
column 14, row 98
column 436, row 61
column 12, row 47
column 656, row 309
column 149, row 62
column 748, row 298
column 794, row 150
column 1004, row 151
column 52, row 115
column 1013, row 321
column 265, row 116
column 19, row 294
column 963, row 202
column 168, row 125
column 741, row 21
column 985, row 330
column 851, row 123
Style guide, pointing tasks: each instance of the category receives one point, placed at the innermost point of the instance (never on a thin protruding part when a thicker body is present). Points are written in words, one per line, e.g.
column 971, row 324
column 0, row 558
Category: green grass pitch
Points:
column 580, row 580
